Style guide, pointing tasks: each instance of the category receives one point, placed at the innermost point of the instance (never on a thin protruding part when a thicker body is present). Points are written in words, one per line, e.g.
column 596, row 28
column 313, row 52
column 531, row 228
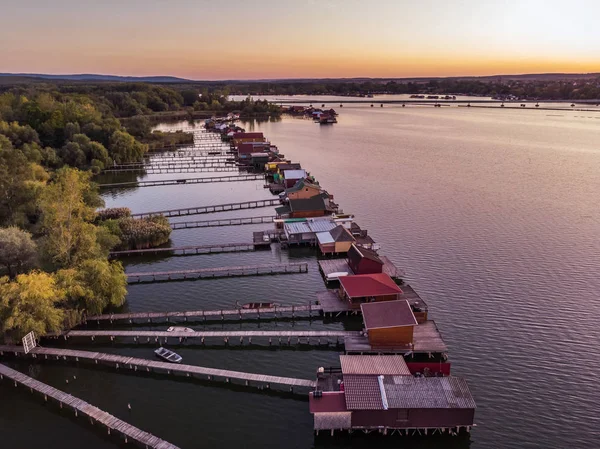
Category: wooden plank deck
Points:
column 198, row 210
column 390, row 269
column 209, row 314
column 201, row 273
column 155, row 366
column 180, row 335
column 223, row 222
column 332, row 304
column 426, row 338
column 188, row 250
column 329, row 266
column 187, row 168
column 81, row 407
column 170, row 182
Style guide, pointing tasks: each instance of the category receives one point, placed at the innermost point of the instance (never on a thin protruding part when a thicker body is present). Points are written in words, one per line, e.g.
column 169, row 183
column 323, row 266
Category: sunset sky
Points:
column 237, row 39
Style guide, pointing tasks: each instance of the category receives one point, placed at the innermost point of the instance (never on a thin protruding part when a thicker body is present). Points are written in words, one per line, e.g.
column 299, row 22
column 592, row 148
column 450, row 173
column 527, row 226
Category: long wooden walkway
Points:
column 112, row 423
column 185, row 154
column 188, row 250
column 203, row 273
column 171, row 182
column 198, row 210
column 164, row 337
column 146, row 365
column 223, row 222
column 240, row 313
column 211, row 167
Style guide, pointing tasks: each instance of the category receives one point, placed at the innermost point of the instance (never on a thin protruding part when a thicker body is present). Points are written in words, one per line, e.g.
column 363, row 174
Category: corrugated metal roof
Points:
column 321, row 225
column 362, row 393
column 427, row 392
column 294, row 174
column 296, row 228
column 378, row 315
column 324, row 238
column 374, row 364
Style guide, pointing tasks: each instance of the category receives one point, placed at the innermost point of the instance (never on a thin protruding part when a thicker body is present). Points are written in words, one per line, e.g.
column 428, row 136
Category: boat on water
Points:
column 259, row 305
column 180, row 329
column 168, row 355
column 327, row 120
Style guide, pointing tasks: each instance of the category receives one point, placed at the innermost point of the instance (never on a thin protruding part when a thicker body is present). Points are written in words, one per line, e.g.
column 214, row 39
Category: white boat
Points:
column 180, row 329
column 336, row 276
column 168, row 355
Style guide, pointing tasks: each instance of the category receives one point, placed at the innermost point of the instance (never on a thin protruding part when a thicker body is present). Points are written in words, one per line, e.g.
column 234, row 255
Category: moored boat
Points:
column 259, row 305
column 168, row 355
column 180, row 329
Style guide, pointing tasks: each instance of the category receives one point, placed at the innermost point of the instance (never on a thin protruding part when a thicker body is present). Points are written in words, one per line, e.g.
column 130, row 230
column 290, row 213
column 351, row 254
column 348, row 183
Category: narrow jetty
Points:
column 144, row 365
column 223, row 222
column 203, row 273
column 240, row 313
column 95, row 415
column 175, row 155
column 183, row 168
column 188, row 250
column 142, row 336
column 172, row 182
column 198, row 210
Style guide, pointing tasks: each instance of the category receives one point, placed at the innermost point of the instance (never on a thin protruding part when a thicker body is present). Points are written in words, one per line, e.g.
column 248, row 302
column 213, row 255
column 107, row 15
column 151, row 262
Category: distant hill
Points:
column 94, row 77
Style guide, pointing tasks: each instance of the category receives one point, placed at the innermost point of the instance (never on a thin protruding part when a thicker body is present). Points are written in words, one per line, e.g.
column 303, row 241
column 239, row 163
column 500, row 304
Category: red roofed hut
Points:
column 389, row 324
column 368, row 288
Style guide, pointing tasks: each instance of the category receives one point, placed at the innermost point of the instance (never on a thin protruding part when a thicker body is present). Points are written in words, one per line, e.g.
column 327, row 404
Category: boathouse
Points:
column 378, row 393
column 303, row 189
column 363, row 288
column 336, row 241
column 291, row 177
column 364, row 260
column 389, row 324
column 304, row 208
column 247, row 137
column 305, row 231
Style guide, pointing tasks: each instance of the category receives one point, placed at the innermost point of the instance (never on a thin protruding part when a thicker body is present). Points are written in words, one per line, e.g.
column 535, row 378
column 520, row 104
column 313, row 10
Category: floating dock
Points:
column 203, row 273
column 188, row 250
column 185, row 168
column 212, row 209
column 144, row 365
column 95, row 415
column 172, row 182
column 223, row 222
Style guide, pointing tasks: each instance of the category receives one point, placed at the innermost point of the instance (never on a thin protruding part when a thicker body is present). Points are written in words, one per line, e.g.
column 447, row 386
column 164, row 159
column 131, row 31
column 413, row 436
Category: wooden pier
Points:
column 94, row 414
column 188, row 250
column 212, row 209
column 172, row 182
column 223, row 222
column 205, row 315
column 219, row 272
column 174, row 155
column 210, row 167
column 144, row 365
column 177, row 337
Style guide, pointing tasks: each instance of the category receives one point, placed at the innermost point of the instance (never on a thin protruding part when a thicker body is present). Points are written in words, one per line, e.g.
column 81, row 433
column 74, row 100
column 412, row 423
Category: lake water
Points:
column 493, row 214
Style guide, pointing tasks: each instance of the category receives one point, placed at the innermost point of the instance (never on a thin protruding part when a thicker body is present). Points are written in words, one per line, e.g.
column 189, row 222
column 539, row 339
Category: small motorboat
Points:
column 180, row 329
column 258, row 305
column 168, row 355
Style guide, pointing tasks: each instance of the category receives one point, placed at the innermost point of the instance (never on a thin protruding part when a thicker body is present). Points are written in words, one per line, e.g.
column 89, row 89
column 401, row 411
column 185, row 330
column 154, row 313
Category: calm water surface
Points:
column 493, row 214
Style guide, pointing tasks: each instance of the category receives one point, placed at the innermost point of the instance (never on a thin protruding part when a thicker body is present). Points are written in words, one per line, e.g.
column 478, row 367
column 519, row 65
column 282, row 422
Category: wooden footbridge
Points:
column 175, row 155
column 94, row 414
column 218, row 272
column 206, row 315
column 172, row 182
column 187, row 250
column 144, row 365
column 164, row 337
column 198, row 210
column 188, row 167
column 223, row 222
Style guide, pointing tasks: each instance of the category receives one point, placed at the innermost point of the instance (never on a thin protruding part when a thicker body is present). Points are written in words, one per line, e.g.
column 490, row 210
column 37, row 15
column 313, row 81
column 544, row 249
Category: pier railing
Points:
column 212, row 208
column 171, row 182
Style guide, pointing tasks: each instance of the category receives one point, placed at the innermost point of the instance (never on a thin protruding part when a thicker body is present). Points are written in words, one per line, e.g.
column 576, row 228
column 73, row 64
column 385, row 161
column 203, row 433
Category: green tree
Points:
column 95, row 284
column 124, row 148
column 15, row 190
column 68, row 208
column 31, row 303
column 18, row 251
